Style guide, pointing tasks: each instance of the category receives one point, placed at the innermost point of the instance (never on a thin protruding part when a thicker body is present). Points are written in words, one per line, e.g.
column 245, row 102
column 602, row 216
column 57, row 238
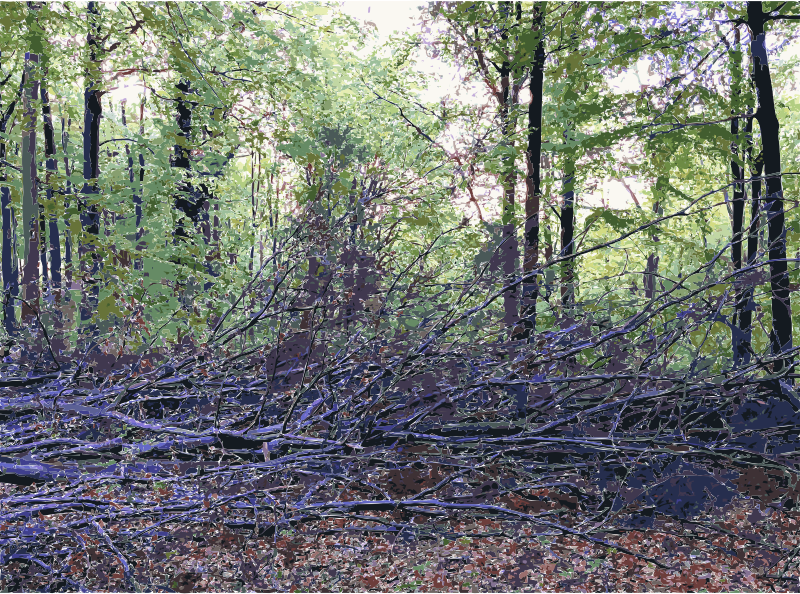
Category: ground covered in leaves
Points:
column 753, row 551
column 498, row 559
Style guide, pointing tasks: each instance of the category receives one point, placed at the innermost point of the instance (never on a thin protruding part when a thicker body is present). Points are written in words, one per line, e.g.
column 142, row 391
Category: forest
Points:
column 502, row 300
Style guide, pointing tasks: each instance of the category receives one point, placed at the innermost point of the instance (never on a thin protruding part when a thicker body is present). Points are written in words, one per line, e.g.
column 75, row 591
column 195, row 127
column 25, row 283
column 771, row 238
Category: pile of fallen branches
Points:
column 332, row 420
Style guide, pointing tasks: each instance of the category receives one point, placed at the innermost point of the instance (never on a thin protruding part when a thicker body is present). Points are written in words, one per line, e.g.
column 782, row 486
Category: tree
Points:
column 533, row 179
column 30, row 200
column 92, row 114
column 9, row 260
column 508, row 100
column 68, row 195
column 52, row 170
column 747, row 302
column 737, row 171
column 497, row 57
column 567, row 220
column 781, row 333
column 188, row 199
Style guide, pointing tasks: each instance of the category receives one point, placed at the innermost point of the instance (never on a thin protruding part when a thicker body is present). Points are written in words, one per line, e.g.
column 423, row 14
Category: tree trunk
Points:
column 509, row 252
column 43, row 249
column 68, row 239
column 737, row 171
column 533, row 179
column 651, row 270
column 747, row 301
column 255, row 212
column 567, row 236
column 191, row 199
column 126, row 256
column 781, row 334
column 52, row 169
column 137, row 198
column 30, row 207
column 92, row 112
column 188, row 200
column 10, row 272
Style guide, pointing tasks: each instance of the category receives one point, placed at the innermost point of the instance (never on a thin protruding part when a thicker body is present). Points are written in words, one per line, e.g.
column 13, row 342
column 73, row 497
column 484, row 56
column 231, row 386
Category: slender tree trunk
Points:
column 747, row 300
column 737, row 171
column 125, row 256
column 137, row 197
column 30, row 207
column 109, row 219
column 68, row 239
column 185, row 200
column 781, row 334
column 92, row 113
column 567, row 236
column 43, row 240
column 509, row 252
column 260, row 247
column 52, row 169
column 253, row 209
column 9, row 255
column 756, row 171
column 651, row 269
column 533, row 179
column 188, row 200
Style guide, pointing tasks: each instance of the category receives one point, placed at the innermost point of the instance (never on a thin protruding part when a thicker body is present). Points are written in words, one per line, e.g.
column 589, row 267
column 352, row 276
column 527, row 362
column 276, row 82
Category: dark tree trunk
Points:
column 52, row 169
column 756, row 171
column 30, row 207
column 10, row 272
column 651, row 270
column 137, row 198
column 255, row 212
column 737, row 171
column 509, row 251
column 533, row 179
column 43, row 249
column 567, row 235
column 125, row 256
column 92, row 112
column 781, row 334
column 189, row 200
column 68, row 190
column 747, row 301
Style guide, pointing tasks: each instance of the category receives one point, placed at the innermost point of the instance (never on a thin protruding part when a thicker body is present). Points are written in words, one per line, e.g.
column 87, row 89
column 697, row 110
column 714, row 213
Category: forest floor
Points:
column 496, row 560
column 746, row 553
column 122, row 499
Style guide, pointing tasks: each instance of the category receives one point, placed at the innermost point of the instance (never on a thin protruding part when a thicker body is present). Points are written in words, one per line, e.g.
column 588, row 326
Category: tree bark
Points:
column 52, row 169
column 9, row 255
column 43, row 240
column 30, row 206
column 567, row 236
column 189, row 200
column 68, row 191
column 92, row 112
column 781, row 334
column 533, row 179
column 137, row 198
column 509, row 251
column 737, row 171
column 255, row 211
column 126, row 256
column 651, row 269
column 748, row 304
